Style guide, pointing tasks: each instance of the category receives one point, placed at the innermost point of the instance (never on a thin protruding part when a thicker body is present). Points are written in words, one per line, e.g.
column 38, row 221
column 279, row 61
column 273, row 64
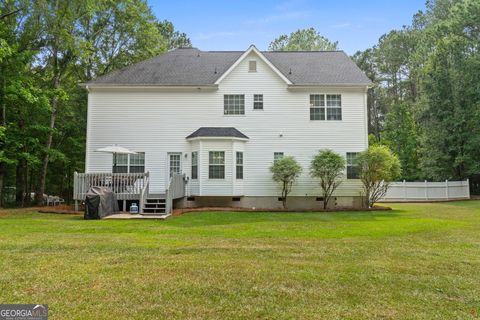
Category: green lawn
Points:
column 419, row 261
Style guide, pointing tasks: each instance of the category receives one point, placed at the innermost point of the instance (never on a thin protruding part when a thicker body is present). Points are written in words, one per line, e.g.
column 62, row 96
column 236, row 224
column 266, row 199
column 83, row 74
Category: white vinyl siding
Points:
column 156, row 121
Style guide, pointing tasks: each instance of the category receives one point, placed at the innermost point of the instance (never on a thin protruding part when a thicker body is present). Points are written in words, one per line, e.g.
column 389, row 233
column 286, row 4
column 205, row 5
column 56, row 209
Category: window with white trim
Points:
column 327, row 107
column 352, row 168
column 239, row 165
column 234, row 104
column 216, row 165
column 334, row 107
column 129, row 163
column 258, row 102
column 317, row 107
column 194, row 165
column 277, row 156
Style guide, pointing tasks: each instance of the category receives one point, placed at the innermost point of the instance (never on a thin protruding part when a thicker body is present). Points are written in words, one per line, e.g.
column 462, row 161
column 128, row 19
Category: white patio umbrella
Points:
column 114, row 150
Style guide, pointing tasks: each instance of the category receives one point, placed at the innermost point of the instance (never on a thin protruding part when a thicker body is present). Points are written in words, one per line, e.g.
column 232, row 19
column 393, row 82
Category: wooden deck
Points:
column 130, row 186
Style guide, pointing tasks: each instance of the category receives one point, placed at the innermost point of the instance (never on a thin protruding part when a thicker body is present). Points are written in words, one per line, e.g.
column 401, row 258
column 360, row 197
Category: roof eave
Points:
column 216, row 138
column 139, row 86
column 316, row 85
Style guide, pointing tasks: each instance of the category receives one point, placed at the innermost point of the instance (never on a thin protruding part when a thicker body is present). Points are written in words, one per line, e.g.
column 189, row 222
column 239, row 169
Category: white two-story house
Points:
column 216, row 120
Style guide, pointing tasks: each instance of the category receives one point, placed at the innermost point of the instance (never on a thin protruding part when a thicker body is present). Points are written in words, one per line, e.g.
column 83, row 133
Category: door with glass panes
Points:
column 174, row 164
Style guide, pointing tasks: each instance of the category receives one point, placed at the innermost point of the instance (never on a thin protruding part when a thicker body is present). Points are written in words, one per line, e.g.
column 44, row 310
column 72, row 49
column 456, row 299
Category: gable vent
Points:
column 252, row 66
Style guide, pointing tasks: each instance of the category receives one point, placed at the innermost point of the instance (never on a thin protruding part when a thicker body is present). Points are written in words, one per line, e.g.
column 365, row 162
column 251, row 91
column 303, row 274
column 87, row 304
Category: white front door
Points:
column 174, row 163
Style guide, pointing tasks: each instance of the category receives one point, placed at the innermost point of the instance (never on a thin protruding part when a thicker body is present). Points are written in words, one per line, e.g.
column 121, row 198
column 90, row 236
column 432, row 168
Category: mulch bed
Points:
column 177, row 212
column 64, row 209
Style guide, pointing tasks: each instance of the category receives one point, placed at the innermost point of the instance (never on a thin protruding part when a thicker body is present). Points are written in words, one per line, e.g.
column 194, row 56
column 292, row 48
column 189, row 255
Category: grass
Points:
column 419, row 261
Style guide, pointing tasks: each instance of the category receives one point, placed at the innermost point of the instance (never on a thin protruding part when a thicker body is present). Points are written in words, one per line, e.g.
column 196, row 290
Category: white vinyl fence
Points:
column 427, row 191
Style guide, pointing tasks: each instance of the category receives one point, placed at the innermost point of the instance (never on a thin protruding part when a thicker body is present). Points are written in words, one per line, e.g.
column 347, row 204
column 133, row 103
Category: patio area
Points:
column 125, row 216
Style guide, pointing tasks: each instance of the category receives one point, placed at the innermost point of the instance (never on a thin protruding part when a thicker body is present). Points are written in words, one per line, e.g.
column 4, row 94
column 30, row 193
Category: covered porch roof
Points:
column 217, row 132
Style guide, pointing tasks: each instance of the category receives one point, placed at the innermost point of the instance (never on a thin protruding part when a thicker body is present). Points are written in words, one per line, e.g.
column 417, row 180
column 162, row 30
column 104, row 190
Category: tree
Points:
column 402, row 137
column 48, row 47
column 328, row 167
column 81, row 40
column 302, row 40
column 449, row 110
column 377, row 167
column 174, row 38
column 286, row 171
column 424, row 103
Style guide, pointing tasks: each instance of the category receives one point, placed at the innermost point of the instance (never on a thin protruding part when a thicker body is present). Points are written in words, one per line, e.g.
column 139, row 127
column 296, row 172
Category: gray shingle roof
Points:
column 217, row 132
column 192, row 67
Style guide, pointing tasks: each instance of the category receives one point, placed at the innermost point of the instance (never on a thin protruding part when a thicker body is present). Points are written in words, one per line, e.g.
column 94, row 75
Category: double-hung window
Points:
column 195, row 165
column 234, row 104
column 352, row 169
column 334, row 107
column 129, row 163
column 317, row 107
column 216, row 165
column 277, row 156
column 258, row 102
column 325, row 107
column 239, row 165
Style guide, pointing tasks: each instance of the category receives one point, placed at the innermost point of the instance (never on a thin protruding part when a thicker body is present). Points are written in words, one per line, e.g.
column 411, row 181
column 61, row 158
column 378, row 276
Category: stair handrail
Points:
column 144, row 192
column 175, row 190
column 169, row 197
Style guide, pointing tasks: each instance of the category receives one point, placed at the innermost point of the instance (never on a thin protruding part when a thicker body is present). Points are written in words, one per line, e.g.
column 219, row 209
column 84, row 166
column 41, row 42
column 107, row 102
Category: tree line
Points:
column 48, row 48
column 425, row 102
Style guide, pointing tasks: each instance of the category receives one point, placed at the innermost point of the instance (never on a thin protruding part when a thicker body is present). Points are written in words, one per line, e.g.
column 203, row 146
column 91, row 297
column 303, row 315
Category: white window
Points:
column 129, row 163
column 277, row 156
column 331, row 110
column 234, row 104
column 216, row 165
column 252, row 66
column 239, row 167
column 352, row 168
column 258, row 102
column 317, row 107
column 334, row 107
column 195, row 165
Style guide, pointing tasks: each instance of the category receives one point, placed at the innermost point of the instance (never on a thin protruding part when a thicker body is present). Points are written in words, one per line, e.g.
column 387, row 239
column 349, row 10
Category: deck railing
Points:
column 127, row 186
column 175, row 190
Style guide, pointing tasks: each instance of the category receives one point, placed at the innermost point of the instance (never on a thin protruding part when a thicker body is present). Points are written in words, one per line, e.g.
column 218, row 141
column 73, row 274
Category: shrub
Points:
column 377, row 166
column 328, row 167
column 286, row 171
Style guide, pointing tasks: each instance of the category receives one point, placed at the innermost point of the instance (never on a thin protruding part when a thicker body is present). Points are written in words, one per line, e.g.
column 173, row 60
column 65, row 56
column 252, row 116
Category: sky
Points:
column 235, row 25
